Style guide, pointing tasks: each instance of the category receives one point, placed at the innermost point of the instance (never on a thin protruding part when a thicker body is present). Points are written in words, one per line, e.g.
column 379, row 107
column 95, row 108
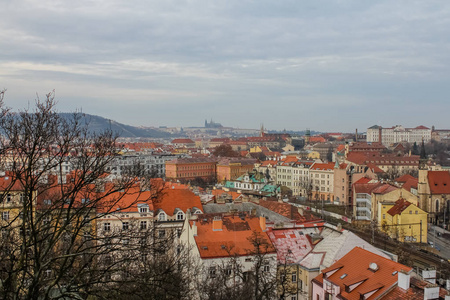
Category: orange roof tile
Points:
column 285, row 209
column 411, row 184
column 172, row 199
column 234, row 238
column 404, row 178
column 439, row 182
column 354, row 268
column 322, row 166
column 183, row 141
column 399, row 207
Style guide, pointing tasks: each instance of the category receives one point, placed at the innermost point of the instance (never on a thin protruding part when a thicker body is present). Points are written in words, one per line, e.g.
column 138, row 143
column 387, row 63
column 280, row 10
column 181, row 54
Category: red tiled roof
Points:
column 375, row 168
column 291, row 244
column 183, row 141
column 317, row 139
column 234, row 238
column 362, row 180
column 355, row 266
column 220, row 140
column 365, row 188
column 171, row 199
column 399, row 207
column 384, row 189
column 421, row 127
column 439, row 182
column 404, row 178
column 322, row 167
column 356, row 157
column 415, row 292
column 410, row 184
column 218, row 192
column 285, row 209
column 340, row 148
column 8, row 183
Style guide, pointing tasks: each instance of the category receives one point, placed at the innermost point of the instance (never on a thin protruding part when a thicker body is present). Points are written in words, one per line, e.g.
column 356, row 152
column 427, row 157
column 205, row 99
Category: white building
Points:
column 398, row 134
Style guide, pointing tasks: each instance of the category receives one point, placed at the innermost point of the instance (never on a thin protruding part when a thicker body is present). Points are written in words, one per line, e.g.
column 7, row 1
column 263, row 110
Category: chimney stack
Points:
column 262, row 223
column 431, row 292
column 403, row 280
column 194, row 229
column 217, row 224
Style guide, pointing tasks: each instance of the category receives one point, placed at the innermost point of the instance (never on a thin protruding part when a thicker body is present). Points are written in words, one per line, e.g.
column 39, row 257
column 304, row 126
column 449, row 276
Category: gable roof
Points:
column 285, row 209
column 233, row 237
column 399, row 206
column 354, row 268
column 292, row 244
column 439, row 182
column 172, row 199
column 323, row 166
column 404, row 178
column 411, row 184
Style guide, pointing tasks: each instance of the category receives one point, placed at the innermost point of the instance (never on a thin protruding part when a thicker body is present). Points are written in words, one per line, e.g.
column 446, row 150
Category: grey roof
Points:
column 334, row 246
column 245, row 207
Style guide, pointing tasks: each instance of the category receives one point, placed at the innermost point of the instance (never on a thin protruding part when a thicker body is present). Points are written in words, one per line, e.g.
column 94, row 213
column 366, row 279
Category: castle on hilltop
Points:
column 212, row 124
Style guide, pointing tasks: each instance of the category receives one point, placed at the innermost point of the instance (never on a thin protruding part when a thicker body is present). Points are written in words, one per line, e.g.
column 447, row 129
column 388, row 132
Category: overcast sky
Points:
column 323, row 65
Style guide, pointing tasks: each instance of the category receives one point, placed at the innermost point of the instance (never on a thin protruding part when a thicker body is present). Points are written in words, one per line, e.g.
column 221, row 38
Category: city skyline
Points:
column 326, row 66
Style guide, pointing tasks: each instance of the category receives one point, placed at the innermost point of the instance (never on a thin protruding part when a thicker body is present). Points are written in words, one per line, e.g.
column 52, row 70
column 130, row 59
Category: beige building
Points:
column 434, row 195
column 322, row 179
column 398, row 134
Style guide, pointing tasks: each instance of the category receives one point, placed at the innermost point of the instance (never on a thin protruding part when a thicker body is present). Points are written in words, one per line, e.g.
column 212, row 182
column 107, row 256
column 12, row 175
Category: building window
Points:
column 5, row 215
column 46, row 220
column 143, row 225
column 294, row 277
column 47, row 202
column 107, row 226
column 212, row 272
column 162, row 217
column 125, row 226
column 266, row 268
column 180, row 215
column 143, row 209
column 161, row 233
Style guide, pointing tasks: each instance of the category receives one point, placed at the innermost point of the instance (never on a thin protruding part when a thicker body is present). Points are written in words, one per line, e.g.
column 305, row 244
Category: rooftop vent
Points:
column 373, row 267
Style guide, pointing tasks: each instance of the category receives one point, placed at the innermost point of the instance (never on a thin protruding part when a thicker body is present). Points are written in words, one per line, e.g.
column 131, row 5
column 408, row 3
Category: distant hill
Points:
column 98, row 124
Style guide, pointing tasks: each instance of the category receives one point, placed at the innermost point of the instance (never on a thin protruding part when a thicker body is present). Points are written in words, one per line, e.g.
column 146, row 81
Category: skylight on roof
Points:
column 343, row 276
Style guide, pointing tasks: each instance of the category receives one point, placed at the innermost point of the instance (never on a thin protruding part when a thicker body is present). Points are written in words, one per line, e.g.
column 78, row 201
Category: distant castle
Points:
column 212, row 124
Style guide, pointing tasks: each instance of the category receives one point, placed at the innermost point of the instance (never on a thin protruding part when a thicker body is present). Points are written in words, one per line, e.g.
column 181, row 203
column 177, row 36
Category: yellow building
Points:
column 11, row 202
column 313, row 155
column 404, row 221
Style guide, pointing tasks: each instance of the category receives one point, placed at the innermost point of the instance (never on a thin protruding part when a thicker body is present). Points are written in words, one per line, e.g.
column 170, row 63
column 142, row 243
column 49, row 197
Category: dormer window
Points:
column 143, row 209
column 180, row 215
column 162, row 216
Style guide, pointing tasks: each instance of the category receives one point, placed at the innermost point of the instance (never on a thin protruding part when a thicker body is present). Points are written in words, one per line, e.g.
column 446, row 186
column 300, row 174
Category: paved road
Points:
column 441, row 240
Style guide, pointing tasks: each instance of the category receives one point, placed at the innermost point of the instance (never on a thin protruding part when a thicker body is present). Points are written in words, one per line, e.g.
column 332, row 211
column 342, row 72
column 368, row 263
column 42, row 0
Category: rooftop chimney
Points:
column 403, row 280
column 194, row 229
column 217, row 224
column 431, row 292
column 262, row 223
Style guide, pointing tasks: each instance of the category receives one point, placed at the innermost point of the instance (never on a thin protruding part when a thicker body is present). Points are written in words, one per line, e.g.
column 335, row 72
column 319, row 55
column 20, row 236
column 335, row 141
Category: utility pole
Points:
column 373, row 231
column 420, row 231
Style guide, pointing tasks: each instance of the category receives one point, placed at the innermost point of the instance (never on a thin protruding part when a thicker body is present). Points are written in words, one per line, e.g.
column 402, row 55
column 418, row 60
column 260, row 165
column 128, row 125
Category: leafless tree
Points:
column 231, row 279
column 54, row 193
